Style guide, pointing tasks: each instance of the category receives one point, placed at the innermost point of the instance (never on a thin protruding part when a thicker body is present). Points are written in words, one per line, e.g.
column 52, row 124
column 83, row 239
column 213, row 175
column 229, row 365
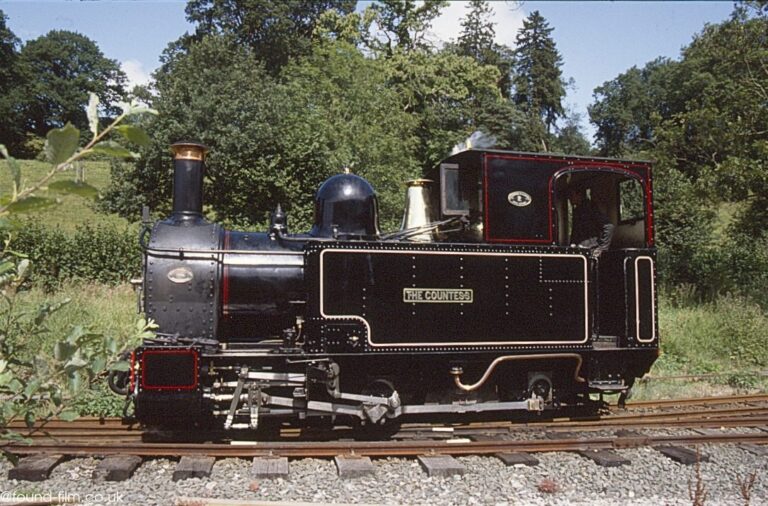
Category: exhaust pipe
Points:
column 188, row 170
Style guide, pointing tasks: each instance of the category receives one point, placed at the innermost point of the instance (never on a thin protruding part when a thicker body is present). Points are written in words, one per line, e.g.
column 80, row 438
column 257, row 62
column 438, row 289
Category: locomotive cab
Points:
column 521, row 198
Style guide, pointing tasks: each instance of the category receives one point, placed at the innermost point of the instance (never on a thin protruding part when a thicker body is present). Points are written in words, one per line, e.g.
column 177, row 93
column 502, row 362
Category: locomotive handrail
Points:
column 537, row 356
column 184, row 252
column 420, row 229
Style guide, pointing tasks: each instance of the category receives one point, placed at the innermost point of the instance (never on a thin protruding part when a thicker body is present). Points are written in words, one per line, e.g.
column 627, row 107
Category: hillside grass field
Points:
column 63, row 203
column 724, row 341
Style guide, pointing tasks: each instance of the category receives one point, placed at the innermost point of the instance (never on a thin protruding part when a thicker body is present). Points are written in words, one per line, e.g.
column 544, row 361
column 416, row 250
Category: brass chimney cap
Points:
column 418, row 182
column 189, row 151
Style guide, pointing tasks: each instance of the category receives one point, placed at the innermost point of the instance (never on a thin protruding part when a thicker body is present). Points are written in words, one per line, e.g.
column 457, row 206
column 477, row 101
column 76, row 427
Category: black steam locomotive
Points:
column 479, row 304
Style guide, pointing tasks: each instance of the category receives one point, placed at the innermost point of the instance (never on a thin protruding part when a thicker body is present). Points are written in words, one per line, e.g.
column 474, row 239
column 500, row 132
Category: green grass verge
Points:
column 726, row 339
column 64, row 203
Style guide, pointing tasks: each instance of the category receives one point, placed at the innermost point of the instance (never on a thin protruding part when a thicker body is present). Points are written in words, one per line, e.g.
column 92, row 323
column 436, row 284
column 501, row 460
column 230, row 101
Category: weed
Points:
column 745, row 487
column 697, row 492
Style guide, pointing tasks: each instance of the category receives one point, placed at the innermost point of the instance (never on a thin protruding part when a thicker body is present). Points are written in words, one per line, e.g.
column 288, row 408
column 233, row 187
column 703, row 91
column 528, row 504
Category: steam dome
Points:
column 346, row 206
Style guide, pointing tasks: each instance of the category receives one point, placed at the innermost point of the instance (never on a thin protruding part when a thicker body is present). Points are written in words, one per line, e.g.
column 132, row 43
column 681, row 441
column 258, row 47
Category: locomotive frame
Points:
column 481, row 305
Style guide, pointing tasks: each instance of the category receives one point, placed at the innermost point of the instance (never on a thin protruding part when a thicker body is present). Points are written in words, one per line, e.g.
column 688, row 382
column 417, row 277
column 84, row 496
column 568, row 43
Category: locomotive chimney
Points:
column 188, row 169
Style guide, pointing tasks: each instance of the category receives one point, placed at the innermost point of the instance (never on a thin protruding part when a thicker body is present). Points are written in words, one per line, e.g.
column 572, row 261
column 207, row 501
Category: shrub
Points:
column 100, row 253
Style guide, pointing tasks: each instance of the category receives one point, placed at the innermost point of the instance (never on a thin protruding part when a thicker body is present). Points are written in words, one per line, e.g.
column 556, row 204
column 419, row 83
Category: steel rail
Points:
column 383, row 449
column 703, row 401
column 726, row 417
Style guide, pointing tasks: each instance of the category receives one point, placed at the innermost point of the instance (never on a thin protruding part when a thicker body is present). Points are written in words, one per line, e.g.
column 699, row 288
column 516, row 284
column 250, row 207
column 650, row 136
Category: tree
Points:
column 477, row 30
column 570, row 138
column 450, row 96
column 11, row 85
column 404, row 24
column 537, row 80
column 276, row 30
column 8, row 54
column 477, row 39
column 63, row 68
column 273, row 140
column 628, row 108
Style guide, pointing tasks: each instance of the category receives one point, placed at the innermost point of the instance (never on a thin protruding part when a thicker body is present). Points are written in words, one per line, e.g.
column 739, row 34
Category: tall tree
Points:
column 477, row 39
column 477, row 30
column 538, row 83
column 276, row 30
column 8, row 53
column 66, row 67
column 403, row 24
column 273, row 139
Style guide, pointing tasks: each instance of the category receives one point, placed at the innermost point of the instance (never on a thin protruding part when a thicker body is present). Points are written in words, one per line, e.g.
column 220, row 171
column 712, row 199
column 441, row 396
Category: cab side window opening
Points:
column 618, row 198
column 631, row 205
column 454, row 192
column 630, row 232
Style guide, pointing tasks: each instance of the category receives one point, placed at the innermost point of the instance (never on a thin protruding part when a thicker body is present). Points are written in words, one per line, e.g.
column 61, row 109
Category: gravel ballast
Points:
column 559, row 479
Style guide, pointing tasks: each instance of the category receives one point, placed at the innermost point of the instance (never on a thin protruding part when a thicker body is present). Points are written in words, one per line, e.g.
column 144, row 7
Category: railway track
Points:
column 113, row 435
column 748, row 410
column 671, row 429
column 413, row 448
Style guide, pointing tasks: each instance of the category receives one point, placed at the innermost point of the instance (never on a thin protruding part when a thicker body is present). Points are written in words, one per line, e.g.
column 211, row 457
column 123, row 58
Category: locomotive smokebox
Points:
column 188, row 170
column 346, row 207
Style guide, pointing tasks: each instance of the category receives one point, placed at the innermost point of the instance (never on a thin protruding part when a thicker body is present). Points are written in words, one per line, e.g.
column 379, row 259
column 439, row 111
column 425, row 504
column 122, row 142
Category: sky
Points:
column 597, row 40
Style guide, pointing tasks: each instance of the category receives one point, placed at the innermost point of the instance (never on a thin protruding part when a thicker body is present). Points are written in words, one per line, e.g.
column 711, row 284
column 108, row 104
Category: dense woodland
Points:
column 288, row 93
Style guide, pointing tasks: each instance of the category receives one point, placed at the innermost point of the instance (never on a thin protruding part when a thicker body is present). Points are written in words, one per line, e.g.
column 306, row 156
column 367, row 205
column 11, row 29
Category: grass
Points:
column 109, row 310
column 64, row 203
column 725, row 338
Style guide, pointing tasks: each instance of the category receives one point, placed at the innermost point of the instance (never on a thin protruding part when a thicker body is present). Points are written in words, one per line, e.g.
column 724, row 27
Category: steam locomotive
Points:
column 478, row 304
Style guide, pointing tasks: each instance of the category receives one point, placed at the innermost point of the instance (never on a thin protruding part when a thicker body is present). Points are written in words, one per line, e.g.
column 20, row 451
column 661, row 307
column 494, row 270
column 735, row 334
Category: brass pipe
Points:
column 539, row 356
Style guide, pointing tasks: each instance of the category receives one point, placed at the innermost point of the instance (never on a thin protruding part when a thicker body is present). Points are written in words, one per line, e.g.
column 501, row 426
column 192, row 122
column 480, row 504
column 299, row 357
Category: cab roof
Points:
column 475, row 155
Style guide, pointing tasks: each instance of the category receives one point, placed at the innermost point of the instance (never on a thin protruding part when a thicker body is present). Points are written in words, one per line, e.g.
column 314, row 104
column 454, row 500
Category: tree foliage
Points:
column 277, row 31
column 62, row 69
column 538, row 83
column 628, row 108
column 273, row 140
column 11, row 81
column 403, row 24
column 449, row 96
column 477, row 40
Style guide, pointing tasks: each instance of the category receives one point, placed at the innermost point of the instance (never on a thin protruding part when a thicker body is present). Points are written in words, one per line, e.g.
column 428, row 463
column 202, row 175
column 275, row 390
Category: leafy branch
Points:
column 61, row 146
column 35, row 387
